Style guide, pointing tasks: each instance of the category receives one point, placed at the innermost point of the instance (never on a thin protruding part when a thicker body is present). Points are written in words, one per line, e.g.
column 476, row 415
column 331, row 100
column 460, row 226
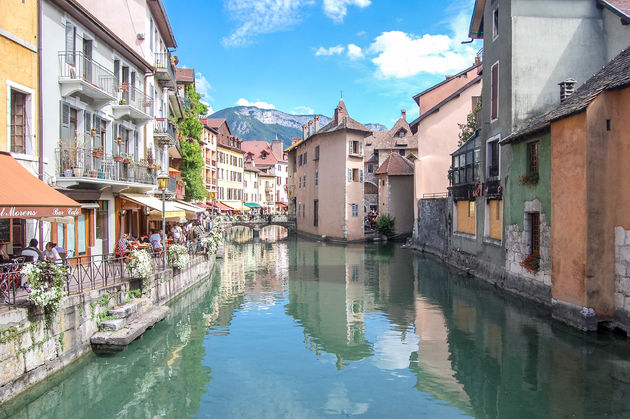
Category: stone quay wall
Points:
column 34, row 345
column 431, row 230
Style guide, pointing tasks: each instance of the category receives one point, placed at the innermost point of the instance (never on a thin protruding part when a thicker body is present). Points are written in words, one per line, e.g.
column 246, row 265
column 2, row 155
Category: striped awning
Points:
column 252, row 205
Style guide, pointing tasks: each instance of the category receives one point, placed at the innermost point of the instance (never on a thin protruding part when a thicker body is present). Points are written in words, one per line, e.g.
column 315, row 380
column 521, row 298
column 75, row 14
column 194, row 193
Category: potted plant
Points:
column 67, row 173
column 122, row 102
column 118, row 158
column 93, row 173
column 126, row 160
column 97, row 152
column 77, row 171
column 93, row 132
column 119, row 140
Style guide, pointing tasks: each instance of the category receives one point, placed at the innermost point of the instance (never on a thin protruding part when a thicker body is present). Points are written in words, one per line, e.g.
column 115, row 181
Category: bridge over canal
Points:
column 259, row 223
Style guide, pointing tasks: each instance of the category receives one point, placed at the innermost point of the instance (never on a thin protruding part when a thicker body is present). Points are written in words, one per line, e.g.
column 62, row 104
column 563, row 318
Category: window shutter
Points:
column 65, row 123
column 70, row 42
column 361, row 175
column 349, row 147
column 87, row 123
column 361, row 148
column 135, row 146
column 349, row 175
column 494, row 91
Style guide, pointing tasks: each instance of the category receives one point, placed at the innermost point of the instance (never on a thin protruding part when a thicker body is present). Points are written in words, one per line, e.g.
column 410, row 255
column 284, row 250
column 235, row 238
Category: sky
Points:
column 300, row 56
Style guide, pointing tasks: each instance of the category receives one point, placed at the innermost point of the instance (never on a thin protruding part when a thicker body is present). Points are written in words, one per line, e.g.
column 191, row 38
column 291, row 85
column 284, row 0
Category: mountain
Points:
column 251, row 123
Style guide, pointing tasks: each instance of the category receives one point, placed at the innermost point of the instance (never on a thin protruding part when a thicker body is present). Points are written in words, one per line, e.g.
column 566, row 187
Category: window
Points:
column 20, row 122
column 355, row 175
column 532, row 157
column 151, row 34
column 355, row 210
column 316, row 153
column 534, row 233
column 465, row 166
column 316, row 177
column 355, row 147
column 304, row 159
column 494, row 91
column 401, row 152
column 315, row 212
column 495, row 23
column 493, row 157
column 300, row 160
column 370, row 168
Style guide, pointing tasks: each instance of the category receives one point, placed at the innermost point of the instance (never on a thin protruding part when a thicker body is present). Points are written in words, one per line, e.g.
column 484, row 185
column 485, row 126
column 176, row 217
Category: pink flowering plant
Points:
column 46, row 282
column 178, row 256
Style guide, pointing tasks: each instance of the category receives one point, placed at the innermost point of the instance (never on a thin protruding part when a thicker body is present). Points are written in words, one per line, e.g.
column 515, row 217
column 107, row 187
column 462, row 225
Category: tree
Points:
column 192, row 162
column 468, row 129
column 385, row 225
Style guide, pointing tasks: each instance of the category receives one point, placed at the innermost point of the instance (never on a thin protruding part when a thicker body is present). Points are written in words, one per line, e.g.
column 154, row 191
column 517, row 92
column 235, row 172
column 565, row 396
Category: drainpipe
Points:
column 40, row 106
column 146, row 76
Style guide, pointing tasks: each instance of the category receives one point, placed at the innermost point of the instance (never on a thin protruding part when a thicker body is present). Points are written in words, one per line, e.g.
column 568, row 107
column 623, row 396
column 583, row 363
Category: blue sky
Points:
column 298, row 55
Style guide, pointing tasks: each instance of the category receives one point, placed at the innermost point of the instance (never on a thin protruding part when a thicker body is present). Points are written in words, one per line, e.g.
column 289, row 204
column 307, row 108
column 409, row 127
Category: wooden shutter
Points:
column 66, row 135
column 349, row 175
column 361, row 175
column 494, row 87
column 70, row 42
column 349, row 147
column 360, row 148
column 18, row 122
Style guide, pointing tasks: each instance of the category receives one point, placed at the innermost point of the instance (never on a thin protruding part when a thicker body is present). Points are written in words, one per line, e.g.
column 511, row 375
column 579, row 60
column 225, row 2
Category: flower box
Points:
column 126, row 161
column 118, row 158
column 98, row 154
column 531, row 263
column 93, row 173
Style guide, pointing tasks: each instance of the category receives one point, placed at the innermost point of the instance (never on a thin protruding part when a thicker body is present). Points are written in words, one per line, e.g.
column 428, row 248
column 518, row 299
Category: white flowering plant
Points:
column 178, row 256
column 211, row 241
column 46, row 282
column 139, row 264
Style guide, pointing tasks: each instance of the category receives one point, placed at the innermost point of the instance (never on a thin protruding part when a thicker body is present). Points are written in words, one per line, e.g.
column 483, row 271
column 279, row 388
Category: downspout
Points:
column 146, row 76
column 40, row 106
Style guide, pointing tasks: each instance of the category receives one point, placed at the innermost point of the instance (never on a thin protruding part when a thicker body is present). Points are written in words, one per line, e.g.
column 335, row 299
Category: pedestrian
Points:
column 50, row 253
column 32, row 252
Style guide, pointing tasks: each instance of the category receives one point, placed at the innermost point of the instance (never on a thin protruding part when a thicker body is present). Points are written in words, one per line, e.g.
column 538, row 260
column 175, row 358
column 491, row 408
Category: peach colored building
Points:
column 326, row 178
column 395, row 190
column 208, row 144
column 442, row 108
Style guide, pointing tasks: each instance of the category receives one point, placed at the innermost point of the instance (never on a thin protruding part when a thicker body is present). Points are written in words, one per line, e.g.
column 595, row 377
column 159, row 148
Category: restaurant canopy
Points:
column 252, row 205
column 171, row 211
column 190, row 209
column 22, row 195
column 236, row 205
column 221, row 207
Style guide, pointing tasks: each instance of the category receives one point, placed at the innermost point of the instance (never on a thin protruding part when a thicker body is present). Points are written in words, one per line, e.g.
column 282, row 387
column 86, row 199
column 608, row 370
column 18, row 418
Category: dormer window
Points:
column 401, row 133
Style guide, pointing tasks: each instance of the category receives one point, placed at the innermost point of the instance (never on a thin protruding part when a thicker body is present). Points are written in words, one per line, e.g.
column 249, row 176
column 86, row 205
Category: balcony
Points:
column 80, row 165
column 164, row 132
column 164, row 73
column 175, row 104
column 81, row 76
column 176, row 187
column 133, row 105
column 463, row 192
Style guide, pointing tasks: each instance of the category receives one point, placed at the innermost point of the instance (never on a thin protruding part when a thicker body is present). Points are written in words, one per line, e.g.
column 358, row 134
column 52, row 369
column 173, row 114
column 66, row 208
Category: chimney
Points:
column 567, row 88
column 310, row 128
column 304, row 132
column 403, row 114
column 276, row 148
column 477, row 60
column 316, row 128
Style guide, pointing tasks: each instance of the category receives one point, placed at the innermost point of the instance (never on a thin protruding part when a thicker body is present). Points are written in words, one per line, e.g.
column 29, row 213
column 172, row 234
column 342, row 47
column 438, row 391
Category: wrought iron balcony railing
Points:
column 134, row 98
column 93, row 79
column 164, row 69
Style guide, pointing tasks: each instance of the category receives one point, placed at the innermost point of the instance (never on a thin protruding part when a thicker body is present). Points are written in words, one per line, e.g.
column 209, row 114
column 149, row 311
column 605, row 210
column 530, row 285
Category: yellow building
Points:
column 229, row 165
column 18, row 80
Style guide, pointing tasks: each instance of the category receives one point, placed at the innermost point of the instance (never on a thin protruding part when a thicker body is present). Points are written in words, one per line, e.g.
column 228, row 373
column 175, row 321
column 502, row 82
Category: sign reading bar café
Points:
column 38, row 212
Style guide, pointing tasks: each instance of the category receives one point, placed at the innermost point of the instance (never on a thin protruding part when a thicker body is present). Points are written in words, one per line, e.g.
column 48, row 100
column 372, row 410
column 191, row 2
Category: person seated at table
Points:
column 156, row 240
column 123, row 245
column 50, row 253
column 32, row 253
column 4, row 256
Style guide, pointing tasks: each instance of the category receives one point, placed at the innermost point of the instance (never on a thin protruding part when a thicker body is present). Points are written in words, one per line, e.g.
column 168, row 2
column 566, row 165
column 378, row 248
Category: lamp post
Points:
column 163, row 185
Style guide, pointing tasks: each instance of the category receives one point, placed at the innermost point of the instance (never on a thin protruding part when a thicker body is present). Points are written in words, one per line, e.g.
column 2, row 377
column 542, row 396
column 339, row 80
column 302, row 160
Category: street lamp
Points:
column 163, row 185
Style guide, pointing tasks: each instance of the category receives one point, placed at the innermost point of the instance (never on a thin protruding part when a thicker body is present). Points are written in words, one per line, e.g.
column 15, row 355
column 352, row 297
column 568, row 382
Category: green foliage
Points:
column 469, row 128
column 192, row 162
column 385, row 225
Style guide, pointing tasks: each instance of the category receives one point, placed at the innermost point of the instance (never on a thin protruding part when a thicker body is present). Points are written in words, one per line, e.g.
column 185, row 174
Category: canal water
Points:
column 303, row 329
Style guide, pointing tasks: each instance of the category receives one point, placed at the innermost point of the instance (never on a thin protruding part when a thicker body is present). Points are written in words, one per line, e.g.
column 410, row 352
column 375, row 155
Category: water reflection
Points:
column 270, row 233
column 308, row 329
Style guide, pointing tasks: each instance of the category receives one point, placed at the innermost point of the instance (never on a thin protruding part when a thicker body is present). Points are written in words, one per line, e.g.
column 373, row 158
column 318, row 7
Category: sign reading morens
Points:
column 38, row 212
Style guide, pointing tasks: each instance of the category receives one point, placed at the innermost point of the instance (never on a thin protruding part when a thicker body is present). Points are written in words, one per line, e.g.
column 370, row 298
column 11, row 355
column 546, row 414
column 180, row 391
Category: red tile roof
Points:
column 185, row 75
column 395, row 165
column 622, row 6
column 259, row 149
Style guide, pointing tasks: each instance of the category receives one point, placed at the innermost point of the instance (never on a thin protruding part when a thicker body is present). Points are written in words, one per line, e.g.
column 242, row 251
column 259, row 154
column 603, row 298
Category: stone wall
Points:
column 622, row 274
column 431, row 230
column 518, row 247
column 33, row 345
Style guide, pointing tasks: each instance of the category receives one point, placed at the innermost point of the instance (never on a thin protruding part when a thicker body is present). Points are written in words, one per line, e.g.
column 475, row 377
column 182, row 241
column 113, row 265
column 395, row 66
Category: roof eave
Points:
column 158, row 11
column 475, row 30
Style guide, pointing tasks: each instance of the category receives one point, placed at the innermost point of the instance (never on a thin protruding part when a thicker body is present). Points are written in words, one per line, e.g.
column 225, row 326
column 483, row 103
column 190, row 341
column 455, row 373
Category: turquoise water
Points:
column 304, row 330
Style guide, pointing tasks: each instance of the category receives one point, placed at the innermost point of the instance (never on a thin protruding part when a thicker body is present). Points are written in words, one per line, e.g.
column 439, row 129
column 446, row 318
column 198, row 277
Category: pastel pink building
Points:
column 326, row 178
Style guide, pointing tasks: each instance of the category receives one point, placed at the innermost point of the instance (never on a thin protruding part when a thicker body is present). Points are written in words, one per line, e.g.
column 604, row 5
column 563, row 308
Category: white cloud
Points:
column 400, row 55
column 202, row 85
column 210, row 110
column 258, row 17
column 303, row 110
column 337, row 9
column 354, row 52
column 258, row 104
column 336, row 50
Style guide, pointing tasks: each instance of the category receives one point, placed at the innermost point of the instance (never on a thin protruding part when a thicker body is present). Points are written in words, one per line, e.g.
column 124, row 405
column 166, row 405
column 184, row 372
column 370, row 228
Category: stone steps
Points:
column 134, row 318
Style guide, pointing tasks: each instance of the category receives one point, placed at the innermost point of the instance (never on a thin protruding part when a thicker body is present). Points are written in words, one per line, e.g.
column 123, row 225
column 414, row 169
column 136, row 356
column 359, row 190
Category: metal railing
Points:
column 134, row 97
column 164, row 127
column 92, row 162
column 163, row 61
column 76, row 66
column 84, row 273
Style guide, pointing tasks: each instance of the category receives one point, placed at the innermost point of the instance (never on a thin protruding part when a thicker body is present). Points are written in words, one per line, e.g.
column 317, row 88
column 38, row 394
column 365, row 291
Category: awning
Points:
column 22, row 195
column 187, row 206
column 171, row 211
column 236, row 205
column 222, row 207
column 252, row 205
column 173, row 170
column 281, row 204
